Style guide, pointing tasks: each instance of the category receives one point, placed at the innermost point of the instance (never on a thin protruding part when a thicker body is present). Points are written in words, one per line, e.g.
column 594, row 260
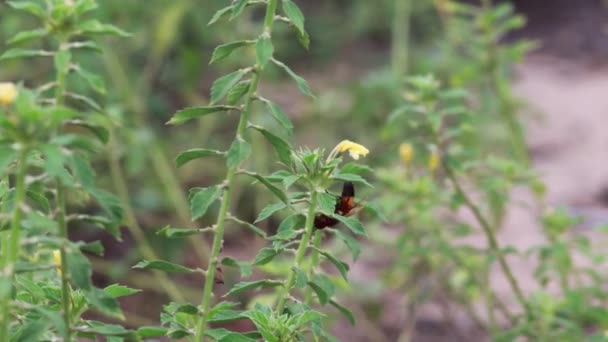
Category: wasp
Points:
column 345, row 206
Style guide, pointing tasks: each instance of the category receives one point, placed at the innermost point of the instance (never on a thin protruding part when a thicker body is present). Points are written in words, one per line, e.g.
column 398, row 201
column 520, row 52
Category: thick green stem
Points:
column 121, row 187
column 304, row 243
column 491, row 237
column 314, row 262
column 401, row 38
column 218, row 238
column 65, row 286
column 11, row 250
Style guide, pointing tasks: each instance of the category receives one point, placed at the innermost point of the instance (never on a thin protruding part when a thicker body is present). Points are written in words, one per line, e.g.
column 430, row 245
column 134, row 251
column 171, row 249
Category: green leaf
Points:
column 323, row 287
column 24, row 36
column 341, row 266
column 104, row 303
column 201, row 199
column 100, row 328
column 301, row 279
column 351, row 223
column 79, row 269
column 281, row 147
column 219, row 307
column 350, row 242
column 293, row 12
column 275, row 190
column 82, row 171
column 196, row 153
column 220, row 14
column 239, row 151
column 112, row 206
column 173, row 233
column 7, row 155
column 344, row 311
column 116, row 291
column 237, row 93
column 269, row 210
column 30, row 7
column 31, row 330
column 302, row 84
column 222, row 85
column 264, row 50
column 238, row 8
column 96, row 82
column 265, row 255
column 280, row 116
column 151, row 331
column 22, row 53
column 162, row 266
column 351, row 177
column 356, row 169
column 244, row 267
column 95, row 27
column 223, row 51
column 188, row 114
column 99, row 131
column 251, row 285
column 327, row 203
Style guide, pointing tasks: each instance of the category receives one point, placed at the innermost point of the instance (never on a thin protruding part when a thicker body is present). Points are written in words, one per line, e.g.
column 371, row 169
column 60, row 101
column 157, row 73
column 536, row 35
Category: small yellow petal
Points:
column 355, row 150
column 434, row 160
column 8, row 93
column 57, row 260
column 406, row 151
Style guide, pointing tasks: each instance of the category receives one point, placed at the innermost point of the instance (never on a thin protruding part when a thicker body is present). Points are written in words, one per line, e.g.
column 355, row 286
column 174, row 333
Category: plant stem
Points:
column 121, row 187
column 218, row 238
column 65, row 286
column 308, row 230
column 11, row 250
column 314, row 262
column 491, row 237
column 401, row 38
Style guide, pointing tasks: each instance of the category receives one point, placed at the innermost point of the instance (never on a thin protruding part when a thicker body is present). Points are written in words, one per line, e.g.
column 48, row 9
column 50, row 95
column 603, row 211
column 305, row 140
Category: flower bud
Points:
column 8, row 93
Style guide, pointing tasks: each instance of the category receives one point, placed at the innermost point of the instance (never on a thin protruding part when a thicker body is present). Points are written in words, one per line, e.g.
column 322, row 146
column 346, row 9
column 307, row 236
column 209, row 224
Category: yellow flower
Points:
column 57, row 260
column 8, row 93
column 355, row 150
column 434, row 160
column 406, row 151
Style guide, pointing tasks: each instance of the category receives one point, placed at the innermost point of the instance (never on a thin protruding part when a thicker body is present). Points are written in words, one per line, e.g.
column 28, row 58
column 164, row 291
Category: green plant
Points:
column 238, row 92
column 47, row 137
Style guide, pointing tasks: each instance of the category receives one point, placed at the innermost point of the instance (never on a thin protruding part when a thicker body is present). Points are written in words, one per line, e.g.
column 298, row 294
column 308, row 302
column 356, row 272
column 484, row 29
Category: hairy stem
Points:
column 10, row 251
column 491, row 237
column 401, row 38
column 314, row 262
column 304, row 243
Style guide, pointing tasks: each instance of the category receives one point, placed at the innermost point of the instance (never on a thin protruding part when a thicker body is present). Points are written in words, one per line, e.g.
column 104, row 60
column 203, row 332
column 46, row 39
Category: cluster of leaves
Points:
column 291, row 317
column 47, row 136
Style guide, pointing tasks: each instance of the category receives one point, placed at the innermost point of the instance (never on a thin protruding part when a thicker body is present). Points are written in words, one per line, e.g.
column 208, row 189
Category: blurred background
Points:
column 561, row 87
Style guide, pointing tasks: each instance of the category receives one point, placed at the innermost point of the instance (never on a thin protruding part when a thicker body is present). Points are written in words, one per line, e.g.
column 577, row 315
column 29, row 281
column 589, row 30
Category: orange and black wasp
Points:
column 345, row 206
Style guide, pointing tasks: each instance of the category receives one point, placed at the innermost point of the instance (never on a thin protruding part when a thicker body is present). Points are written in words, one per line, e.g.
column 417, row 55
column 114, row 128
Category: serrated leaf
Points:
column 191, row 113
column 54, row 163
column 265, row 255
column 244, row 267
column 300, row 276
column 351, row 177
column 238, row 152
column 162, row 266
column 24, row 53
column 99, row 131
column 340, row 266
column 237, row 93
column 280, row 116
column 117, row 291
column 196, row 153
column 327, row 202
column 281, row 147
column 222, row 85
column 238, row 8
column 344, row 311
column 264, row 50
column 24, row 36
column 221, row 307
column 293, row 12
column 112, row 206
column 82, row 171
column 301, row 83
column 223, row 51
column 28, row 6
column 220, row 14
column 286, row 230
column 350, row 242
column 103, row 302
column 95, row 27
column 151, row 331
column 251, row 285
column 357, row 169
column 95, row 81
column 276, row 191
column 79, row 269
column 351, row 223
column 291, row 180
column 323, row 287
column 201, row 199
column 269, row 210
column 7, row 156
